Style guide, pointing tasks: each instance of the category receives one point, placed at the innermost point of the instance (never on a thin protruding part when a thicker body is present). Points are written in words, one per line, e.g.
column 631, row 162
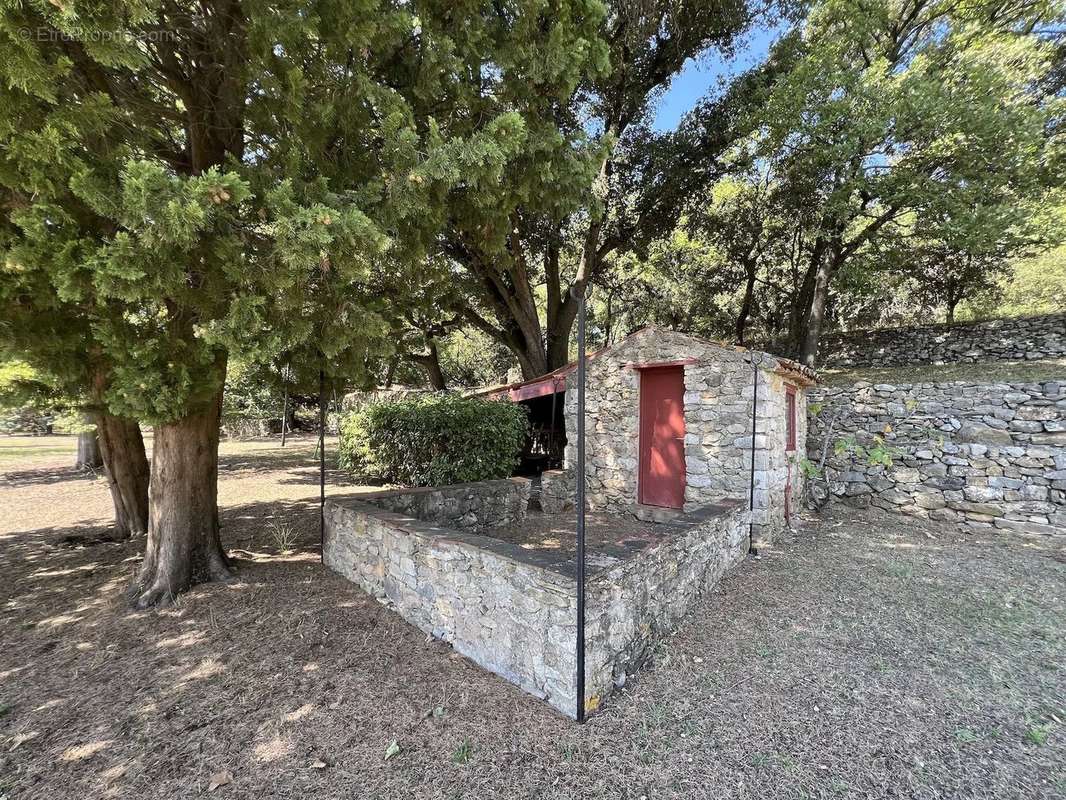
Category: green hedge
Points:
column 433, row 440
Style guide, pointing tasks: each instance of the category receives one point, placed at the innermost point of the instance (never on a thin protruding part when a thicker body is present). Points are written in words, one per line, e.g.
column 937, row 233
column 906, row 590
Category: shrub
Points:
column 433, row 440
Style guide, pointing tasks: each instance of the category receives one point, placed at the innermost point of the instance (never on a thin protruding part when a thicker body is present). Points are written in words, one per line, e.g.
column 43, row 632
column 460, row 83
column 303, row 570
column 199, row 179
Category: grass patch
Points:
column 901, row 570
column 463, row 753
column 8, row 453
column 1038, row 734
column 966, row 736
column 987, row 372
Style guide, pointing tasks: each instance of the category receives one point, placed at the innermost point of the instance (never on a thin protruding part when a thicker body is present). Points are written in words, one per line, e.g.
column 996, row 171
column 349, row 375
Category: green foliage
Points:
column 1033, row 285
column 878, row 454
column 31, row 401
column 464, row 752
column 472, row 358
column 21, row 384
column 1038, row 734
column 435, row 440
column 889, row 160
column 243, row 186
column 808, row 469
column 253, row 390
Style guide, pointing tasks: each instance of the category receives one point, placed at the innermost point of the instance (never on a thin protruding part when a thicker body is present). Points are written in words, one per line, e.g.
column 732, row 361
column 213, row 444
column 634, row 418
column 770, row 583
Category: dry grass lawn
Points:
column 866, row 656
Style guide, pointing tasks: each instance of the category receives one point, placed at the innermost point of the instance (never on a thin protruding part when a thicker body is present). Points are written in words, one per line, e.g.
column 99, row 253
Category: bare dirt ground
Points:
column 866, row 656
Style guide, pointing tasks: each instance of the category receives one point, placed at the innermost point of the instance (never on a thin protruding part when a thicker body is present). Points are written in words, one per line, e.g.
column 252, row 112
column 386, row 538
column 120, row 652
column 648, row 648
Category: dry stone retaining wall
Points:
column 503, row 608
column 988, row 455
column 462, row 506
column 1017, row 339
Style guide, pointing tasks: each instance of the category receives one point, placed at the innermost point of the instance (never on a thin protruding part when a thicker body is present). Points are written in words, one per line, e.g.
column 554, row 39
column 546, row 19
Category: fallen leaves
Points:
column 392, row 750
column 219, row 779
column 21, row 738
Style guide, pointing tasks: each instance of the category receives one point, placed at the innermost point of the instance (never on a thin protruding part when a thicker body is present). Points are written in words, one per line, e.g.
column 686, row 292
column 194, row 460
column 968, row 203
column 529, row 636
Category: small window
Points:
column 790, row 418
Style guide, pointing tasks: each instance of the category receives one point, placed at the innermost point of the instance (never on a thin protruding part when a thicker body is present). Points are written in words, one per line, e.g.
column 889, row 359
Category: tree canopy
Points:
column 186, row 183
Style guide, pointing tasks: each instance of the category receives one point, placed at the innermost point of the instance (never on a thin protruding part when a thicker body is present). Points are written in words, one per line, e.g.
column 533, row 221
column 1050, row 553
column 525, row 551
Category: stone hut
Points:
column 669, row 427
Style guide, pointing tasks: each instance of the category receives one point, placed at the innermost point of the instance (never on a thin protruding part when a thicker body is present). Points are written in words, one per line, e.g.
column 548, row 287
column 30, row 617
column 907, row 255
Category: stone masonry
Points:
column 718, row 411
column 1017, row 339
column 462, row 506
column 512, row 612
column 990, row 455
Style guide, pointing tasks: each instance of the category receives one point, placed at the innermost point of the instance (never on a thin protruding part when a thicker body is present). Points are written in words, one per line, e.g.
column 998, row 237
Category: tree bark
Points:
column 183, row 532
column 430, row 363
column 88, row 447
column 801, row 305
column 126, row 467
column 745, row 306
column 124, row 460
column 819, row 299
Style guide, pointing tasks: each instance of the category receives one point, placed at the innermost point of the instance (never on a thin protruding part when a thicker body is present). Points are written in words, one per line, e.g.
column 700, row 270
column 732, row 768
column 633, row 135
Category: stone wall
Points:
column 234, row 426
column 462, row 506
column 995, row 340
column 497, row 605
column 992, row 456
column 632, row 606
column 718, row 406
column 511, row 616
column 556, row 490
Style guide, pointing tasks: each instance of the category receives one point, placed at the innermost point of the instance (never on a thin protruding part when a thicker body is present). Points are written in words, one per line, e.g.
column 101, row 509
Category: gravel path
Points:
column 866, row 656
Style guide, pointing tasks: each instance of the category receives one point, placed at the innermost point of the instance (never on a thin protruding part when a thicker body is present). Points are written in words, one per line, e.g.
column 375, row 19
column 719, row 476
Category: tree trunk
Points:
column 809, row 353
column 430, row 363
column 125, row 462
column 745, row 306
column 183, row 542
column 126, row 467
column 88, row 447
column 802, row 302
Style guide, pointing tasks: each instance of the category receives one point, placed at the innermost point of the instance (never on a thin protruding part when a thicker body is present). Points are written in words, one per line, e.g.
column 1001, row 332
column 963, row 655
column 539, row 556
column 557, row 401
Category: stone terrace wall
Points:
column 995, row 340
column 635, row 604
column 462, row 505
column 512, row 617
column 992, row 456
column 499, row 607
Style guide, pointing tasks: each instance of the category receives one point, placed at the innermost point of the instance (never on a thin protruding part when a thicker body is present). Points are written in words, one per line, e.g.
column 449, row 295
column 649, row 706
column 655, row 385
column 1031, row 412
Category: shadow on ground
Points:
column 865, row 656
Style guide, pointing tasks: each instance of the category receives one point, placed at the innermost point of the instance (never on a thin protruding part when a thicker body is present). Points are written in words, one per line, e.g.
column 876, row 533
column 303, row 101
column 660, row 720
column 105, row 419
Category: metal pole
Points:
column 580, row 503
column 284, row 415
column 322, row 462
column 751, row 487
column 551, row 425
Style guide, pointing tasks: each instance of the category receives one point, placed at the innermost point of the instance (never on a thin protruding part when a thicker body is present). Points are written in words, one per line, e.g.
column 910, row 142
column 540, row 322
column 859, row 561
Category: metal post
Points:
column 751, row 487
column 322, row 462
column 580, row 503
column 551, row 425
column 284, row 415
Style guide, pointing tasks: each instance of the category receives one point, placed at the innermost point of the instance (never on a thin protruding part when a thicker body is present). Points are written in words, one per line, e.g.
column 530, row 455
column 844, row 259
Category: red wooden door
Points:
column 662, row 437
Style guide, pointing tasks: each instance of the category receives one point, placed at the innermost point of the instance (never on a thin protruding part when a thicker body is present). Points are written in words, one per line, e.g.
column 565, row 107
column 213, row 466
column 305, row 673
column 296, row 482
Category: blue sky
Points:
column 707, row 74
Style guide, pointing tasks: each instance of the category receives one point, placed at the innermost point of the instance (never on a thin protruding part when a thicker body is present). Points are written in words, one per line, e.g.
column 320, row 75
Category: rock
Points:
column 976, row 508
column 929, row 500
column 1055, row 438
column 1024, row 426
column 1027, row 527
column 975, row 432
column 982, row 494
column 946, row 484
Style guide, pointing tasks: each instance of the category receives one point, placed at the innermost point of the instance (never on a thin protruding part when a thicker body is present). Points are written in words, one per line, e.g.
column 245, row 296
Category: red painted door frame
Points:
column 661, row 479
